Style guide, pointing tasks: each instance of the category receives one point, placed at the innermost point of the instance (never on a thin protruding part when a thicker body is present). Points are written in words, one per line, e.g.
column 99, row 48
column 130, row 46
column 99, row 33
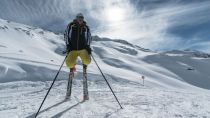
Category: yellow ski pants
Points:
column 72, row 57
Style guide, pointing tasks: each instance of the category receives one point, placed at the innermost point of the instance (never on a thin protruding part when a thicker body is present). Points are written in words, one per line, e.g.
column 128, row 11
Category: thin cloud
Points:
column 150, row 28
column 149, row 25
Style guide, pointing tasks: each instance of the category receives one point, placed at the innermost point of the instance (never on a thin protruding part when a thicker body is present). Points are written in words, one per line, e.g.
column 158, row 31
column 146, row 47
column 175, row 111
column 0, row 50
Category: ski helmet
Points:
column 80, row 15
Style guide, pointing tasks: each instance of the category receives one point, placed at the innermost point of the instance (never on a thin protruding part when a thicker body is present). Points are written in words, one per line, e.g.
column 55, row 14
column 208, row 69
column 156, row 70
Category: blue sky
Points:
column 153, row 24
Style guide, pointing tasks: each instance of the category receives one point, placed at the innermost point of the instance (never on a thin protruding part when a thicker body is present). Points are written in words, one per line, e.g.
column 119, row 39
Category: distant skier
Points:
column 78, row 38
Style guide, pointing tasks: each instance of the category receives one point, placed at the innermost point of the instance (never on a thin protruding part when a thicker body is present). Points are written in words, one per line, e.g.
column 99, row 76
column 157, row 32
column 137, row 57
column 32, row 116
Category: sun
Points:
column 115, row 14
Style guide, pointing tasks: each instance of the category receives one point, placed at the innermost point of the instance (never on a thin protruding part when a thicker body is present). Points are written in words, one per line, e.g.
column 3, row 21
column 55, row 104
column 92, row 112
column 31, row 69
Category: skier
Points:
column 78, row 38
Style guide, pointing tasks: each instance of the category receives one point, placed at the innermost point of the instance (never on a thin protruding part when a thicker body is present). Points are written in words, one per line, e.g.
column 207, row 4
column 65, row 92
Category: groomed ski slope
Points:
column 30, row 58
column 21, row 99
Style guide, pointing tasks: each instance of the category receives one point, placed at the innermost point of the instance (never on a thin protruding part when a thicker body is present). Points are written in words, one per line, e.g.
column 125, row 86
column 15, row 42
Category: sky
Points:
column 154, row 24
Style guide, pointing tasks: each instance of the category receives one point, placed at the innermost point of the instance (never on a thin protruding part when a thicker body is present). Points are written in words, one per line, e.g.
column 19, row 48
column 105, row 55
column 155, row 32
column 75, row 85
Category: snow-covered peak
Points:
column 27, row 41
column 192, row 53
column 124, row 42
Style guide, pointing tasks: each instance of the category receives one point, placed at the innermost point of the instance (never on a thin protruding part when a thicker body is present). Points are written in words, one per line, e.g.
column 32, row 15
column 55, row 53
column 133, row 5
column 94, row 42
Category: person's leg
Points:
column 69, row 85
column 85, row 84
column 85, row 57
column 71, row 59
column 70, row 62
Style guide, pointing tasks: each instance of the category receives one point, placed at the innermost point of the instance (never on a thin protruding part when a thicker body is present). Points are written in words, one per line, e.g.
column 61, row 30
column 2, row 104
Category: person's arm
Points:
column 88, row 40
column 67, row 37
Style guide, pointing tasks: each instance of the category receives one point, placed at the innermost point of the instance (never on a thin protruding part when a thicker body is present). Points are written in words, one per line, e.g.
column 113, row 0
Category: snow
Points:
column 176, row 83
column 138, row 101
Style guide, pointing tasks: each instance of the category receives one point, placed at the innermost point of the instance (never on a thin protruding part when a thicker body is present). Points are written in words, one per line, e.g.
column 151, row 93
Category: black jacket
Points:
column 77, row 36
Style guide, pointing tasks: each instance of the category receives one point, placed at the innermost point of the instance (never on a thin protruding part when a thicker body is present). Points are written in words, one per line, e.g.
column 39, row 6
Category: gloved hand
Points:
column 68, row 48
column 89, row 50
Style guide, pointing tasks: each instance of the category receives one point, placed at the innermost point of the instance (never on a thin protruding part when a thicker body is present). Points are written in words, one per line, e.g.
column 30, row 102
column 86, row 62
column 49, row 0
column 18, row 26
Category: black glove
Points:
column 68, row 48
column 89, row 50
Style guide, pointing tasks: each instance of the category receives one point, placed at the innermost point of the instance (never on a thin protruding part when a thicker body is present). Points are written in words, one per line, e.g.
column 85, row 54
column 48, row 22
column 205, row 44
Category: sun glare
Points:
column 115, row 14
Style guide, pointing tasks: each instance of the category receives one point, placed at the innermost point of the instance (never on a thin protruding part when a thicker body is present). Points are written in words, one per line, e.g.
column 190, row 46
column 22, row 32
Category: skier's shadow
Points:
column 55, row 105
column 62, row 112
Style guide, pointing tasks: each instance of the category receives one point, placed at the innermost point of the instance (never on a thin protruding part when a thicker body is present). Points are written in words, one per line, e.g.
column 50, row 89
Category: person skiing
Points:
column 78, row 37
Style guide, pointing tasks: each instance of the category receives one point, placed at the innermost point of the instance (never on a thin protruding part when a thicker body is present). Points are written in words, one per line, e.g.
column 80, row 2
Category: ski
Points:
column 69, row 86
column 85, row 84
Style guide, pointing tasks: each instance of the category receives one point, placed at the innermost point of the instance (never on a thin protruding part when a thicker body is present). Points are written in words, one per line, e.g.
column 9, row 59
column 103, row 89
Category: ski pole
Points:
column 107, row 81
column 50, row 87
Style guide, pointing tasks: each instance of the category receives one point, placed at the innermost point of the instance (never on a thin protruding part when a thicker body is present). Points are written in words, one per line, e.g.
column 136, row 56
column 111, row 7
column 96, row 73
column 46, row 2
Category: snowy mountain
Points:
column 176, row 82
